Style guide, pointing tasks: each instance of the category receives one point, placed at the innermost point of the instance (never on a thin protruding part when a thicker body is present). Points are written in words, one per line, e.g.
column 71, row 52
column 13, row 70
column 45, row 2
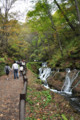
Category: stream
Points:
column 67, row 88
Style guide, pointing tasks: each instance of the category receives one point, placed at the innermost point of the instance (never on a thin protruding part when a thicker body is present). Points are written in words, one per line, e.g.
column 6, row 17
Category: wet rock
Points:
column 56, row 81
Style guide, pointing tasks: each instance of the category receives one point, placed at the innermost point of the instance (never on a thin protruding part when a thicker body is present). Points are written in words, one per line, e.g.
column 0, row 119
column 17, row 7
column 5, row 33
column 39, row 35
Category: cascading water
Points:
column 69, row 81
column 45, row 72
column 67, row 84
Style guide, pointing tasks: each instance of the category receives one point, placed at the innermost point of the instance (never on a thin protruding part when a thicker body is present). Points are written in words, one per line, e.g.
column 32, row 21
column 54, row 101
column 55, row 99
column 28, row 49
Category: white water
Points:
column 67, row 84
column 69, row 81
column 66, row 90
column 44, row 73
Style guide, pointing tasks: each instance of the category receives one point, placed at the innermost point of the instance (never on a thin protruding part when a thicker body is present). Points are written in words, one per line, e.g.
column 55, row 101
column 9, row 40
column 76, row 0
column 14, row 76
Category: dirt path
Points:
column 9, row 97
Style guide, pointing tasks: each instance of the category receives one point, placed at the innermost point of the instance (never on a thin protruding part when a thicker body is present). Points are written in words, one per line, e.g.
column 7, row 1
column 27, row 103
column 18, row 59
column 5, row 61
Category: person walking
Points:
column 15, row 68
column 7, row 70
column 24, row 64
column 21, row 70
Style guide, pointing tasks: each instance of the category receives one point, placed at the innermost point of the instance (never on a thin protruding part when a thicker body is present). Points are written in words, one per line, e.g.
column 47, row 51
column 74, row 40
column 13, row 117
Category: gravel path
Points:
column 9, row 97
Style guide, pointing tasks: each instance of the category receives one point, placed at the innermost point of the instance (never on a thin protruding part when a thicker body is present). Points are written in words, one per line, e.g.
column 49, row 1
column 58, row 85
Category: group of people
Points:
column 17, row 66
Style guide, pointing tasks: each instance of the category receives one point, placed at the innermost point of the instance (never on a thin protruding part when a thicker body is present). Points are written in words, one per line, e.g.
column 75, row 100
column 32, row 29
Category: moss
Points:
column 77, row 64
column 34, row 66
column 2, row 60
column 2, row 65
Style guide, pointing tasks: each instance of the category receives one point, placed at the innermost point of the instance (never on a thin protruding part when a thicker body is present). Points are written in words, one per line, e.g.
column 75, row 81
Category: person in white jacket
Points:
column 15, row 68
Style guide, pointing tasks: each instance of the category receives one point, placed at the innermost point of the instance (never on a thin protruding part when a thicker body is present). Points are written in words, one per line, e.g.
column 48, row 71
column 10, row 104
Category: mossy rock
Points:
column 59, row 76
column 77, row 64
column 34, row 66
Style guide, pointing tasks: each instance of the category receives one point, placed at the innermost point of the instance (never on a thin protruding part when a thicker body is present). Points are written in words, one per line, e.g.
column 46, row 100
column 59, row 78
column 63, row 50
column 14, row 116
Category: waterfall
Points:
column 45, row 72
column 67, row 86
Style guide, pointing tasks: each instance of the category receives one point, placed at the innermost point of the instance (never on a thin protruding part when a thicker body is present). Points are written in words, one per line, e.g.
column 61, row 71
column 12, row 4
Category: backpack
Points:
column 7, row 71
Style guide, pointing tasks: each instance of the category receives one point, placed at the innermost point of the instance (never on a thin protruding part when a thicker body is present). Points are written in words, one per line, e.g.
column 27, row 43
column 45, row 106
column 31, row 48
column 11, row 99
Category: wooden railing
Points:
column 22, row 103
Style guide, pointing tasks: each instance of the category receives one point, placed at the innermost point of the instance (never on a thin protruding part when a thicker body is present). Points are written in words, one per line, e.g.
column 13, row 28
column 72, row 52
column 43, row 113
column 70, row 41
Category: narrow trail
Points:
column 9, row 97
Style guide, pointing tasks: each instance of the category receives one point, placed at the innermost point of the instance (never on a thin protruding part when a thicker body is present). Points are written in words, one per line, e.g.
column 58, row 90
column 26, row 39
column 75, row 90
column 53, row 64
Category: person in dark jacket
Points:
column 7, row 70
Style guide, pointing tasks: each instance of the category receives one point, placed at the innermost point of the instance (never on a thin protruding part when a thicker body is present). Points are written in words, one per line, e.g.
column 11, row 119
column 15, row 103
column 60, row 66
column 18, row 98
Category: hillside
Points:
column 45, row 105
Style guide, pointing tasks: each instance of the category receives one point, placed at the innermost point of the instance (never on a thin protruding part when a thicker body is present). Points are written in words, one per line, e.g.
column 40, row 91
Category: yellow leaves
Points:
column 38, row 119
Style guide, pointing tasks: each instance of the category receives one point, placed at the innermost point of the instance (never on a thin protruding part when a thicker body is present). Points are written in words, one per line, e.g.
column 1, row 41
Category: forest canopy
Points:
column 50, row 33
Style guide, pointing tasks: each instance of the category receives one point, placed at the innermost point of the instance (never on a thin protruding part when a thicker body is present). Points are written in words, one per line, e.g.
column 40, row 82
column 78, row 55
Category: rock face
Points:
column 56, row 81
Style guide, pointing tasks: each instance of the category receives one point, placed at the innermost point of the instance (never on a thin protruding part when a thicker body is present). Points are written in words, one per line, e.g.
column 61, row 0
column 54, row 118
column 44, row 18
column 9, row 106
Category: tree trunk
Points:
column 54, row 28
column 7, row 4
column 71, row 26
column 78, row 13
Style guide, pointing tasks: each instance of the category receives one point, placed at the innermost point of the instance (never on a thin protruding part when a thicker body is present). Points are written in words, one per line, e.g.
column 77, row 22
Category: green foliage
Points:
column 48, row 97
column 2, row 65
column 38, row 95
column 34, row 66
column 46, row 43
column 30, row 101
column 28, row 118
column 37, row 40
column 71, row 118
column 64, row 117
column 38, row 81
column 33, row 57
column 2, row 60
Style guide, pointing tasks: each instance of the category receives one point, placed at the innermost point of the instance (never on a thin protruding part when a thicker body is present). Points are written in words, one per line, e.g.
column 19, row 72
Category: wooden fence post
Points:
column 23, row 98
column 22, row 107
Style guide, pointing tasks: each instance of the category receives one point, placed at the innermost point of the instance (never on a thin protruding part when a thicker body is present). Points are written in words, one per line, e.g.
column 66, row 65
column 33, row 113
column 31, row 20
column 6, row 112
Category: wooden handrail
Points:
column 23, row 98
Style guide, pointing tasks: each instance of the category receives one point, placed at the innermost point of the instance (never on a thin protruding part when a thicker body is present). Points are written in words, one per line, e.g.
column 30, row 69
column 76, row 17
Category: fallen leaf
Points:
column 1, row 115
column 38, row 119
